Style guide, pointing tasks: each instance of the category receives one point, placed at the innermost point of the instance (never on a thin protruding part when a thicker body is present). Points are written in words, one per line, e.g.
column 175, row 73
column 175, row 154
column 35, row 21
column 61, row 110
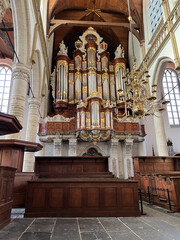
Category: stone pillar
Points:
column 4, row 5
column 128, row 161
column 57, row 147
column 31, row 132
column 160, row 135
column 72, row 147
column 113, row 161
column 166, row 8
column 20, row 78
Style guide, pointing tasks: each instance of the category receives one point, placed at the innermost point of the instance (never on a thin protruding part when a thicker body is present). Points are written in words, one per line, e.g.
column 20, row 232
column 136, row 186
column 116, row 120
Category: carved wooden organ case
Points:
column 85, row 89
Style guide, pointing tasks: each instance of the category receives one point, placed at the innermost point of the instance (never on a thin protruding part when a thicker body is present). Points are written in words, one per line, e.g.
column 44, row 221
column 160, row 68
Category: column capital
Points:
column 73, row 142
column 114, row 142
column 57, row 142
column 129, row 141
column 20, row 70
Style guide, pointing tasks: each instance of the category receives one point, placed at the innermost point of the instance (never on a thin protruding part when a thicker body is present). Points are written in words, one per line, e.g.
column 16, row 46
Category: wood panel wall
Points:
column 155, row 164
column 6, row 189
column 162, row 173
column 84, row 198
column 20, row 188
column 61, row 166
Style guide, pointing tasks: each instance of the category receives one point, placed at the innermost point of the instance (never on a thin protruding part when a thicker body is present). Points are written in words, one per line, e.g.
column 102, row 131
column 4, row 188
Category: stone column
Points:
column 166, row 8
column 4, row 5
column 57, row 147
column 72, row 147
column 31, row 132
column 20, row 78
column 113, row 161
column 160, row 135
column 128, row 161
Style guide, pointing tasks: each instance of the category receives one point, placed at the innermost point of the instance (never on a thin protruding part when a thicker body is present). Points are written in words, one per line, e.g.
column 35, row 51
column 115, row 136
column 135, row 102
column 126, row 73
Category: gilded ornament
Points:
column 84, row 89
column 63, row 63
column 78, row 44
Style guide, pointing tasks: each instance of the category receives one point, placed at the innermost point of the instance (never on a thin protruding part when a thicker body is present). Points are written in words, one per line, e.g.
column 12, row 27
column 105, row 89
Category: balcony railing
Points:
column 162, row 37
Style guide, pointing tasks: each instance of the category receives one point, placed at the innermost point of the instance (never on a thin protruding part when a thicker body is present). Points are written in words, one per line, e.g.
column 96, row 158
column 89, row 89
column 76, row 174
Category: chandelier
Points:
column 139, row 101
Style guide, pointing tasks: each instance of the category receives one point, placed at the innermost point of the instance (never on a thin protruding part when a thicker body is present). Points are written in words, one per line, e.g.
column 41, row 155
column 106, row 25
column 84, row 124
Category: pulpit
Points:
column 11, row 162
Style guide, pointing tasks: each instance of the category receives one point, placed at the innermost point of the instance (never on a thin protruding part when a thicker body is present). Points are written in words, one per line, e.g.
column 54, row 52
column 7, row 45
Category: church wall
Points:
column 172, row 3
column 150, row 138
column 172, row 132
column 137, row 51
column 43, row 9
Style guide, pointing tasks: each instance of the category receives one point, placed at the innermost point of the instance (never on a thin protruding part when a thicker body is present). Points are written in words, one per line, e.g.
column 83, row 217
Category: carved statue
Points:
column 98, row 57
column 119, row 53
column 62, row 49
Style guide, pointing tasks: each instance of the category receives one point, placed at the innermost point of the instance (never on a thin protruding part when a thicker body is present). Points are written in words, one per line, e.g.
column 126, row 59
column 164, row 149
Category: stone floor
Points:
column 157, row 224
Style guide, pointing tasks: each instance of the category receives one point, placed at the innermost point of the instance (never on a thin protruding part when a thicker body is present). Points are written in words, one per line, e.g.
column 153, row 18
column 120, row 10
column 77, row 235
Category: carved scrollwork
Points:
column 92, row 152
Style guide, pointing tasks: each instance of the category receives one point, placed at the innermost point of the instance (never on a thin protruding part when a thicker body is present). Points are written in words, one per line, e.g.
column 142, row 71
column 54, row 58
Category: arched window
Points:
column 5, row 83
column 172, row 94
column 155, row 13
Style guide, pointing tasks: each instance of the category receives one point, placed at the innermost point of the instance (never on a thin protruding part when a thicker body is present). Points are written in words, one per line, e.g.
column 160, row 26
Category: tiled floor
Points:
column 156, row 225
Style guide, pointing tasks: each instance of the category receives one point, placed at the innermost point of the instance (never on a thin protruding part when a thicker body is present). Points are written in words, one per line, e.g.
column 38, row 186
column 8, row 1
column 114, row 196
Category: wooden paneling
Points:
column 56, row 202
column 93, row 197
column 12, row 157
column 161, row 173
column 20, row 187
column 161, row 181
column 9, row 124
column 12, row 152
column 6, row 188
column 75, row 197
column 110, row 197
column 79, row 187
column 155, row 164
column 55, row 167
column 53, row 127
column 85, row 198
column 38, row 198
column 122, row 127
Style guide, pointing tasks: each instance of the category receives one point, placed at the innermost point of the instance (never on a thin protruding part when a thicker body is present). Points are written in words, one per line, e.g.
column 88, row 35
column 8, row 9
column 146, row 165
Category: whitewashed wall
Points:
column 155, row 70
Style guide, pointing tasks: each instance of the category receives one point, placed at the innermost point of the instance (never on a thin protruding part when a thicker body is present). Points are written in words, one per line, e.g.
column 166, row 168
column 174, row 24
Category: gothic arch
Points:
column 85, row 149
column 22, row 33
column 158, row 74
column 92, row 152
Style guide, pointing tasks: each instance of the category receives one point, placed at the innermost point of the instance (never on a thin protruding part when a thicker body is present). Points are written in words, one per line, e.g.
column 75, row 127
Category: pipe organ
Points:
column 88, row 87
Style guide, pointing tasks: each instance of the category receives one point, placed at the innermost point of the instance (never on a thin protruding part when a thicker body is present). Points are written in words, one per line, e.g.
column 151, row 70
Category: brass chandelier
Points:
column 139, row 100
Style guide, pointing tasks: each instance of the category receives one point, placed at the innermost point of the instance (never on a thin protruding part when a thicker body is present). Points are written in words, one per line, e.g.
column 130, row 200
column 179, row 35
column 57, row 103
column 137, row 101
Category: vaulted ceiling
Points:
column 111, row 22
